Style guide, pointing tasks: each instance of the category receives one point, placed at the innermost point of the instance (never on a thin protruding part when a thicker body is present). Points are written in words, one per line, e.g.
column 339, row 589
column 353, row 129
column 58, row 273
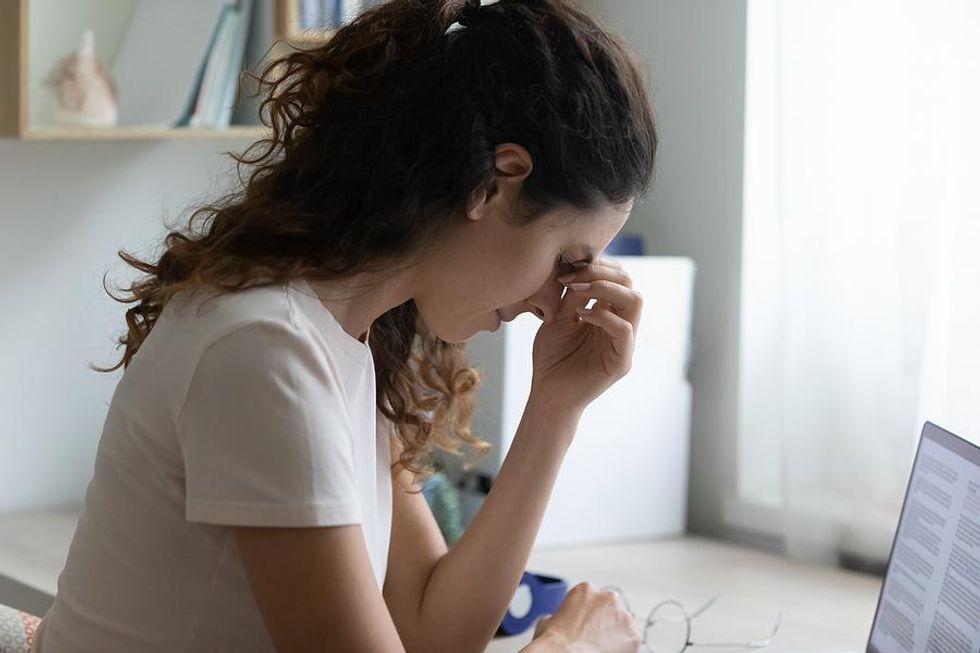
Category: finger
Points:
column 601, row 268
column 540, row 625
column 610, row 262
column 596, row 272
column 624, row 301
column 570, row 303
column 620, row 330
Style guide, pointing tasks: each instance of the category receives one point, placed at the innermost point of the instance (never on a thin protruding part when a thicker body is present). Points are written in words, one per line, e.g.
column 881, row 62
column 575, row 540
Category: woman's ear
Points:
column 512, row 165
column 512, row 162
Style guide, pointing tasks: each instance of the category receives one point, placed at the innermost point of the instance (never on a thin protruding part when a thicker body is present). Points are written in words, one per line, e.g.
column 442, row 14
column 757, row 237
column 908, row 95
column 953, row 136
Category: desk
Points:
column 824, row 609
column 33, row 548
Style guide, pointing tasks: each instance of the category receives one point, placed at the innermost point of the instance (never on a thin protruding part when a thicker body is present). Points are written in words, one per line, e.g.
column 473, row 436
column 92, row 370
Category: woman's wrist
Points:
column 544, row 415
column 552, row 406
column 547, row 642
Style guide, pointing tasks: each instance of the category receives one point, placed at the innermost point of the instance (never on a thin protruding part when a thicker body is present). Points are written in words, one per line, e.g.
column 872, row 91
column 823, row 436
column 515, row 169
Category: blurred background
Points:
column 816, row 216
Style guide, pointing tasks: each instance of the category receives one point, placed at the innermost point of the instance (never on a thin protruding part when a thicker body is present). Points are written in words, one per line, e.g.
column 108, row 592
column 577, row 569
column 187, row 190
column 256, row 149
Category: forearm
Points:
column 471, row 586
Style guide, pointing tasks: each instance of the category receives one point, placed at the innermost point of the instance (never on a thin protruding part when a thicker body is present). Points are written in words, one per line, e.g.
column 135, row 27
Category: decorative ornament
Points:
column 86, row 94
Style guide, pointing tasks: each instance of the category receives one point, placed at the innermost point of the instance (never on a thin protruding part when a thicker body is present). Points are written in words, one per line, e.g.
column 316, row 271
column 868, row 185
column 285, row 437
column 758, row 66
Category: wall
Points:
column 694, row 53
column 67, row 207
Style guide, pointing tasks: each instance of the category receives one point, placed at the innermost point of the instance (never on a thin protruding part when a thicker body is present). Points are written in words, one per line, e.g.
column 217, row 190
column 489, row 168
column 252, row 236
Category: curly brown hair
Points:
column 376, row 141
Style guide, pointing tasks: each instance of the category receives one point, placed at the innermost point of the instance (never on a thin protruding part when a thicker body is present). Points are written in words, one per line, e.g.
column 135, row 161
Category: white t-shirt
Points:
column 256, row 410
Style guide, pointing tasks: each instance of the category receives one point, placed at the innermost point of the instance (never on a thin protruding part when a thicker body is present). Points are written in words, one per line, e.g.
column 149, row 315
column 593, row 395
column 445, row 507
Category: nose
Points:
column 544, row 302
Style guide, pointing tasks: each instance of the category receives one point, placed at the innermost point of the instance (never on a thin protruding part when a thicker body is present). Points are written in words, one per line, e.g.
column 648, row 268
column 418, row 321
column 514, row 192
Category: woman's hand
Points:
column 588, row 621
column 581, row 352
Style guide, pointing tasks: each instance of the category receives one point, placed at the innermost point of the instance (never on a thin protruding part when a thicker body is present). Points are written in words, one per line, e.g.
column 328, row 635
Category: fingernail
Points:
column 583, row 310
column 565, row 278
column 579, row 286
column 578, row 265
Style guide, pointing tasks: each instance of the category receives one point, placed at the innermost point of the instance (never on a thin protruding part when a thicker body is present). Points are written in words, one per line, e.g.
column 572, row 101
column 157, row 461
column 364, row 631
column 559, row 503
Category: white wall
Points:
column 66, row 209
column 694, row 51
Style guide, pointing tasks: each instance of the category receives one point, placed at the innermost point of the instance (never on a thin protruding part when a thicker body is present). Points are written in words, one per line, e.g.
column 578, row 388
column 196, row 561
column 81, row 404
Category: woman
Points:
column 292, row 362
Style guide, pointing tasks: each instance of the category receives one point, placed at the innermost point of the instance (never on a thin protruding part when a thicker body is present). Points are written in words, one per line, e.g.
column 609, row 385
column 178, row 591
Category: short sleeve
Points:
column 264, row 433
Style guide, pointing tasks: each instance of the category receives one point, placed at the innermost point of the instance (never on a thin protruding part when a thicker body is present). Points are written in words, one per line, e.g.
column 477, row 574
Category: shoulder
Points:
column 253, row 333
column 264, row 318
column 212, row 313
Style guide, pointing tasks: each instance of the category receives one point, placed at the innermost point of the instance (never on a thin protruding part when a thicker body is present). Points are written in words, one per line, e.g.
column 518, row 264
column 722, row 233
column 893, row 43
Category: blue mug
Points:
column 536, row 595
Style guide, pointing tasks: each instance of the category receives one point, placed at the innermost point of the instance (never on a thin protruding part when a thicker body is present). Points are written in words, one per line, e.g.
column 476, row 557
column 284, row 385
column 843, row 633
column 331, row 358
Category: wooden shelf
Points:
column 312, row 36
column 140, row 133
column 13, row 67
column 15, row 120
column 287, row 25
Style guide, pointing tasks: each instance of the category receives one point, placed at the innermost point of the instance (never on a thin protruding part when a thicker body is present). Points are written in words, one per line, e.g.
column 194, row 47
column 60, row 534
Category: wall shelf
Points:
column 310, row 37
column 17, row 77
column 140, row 133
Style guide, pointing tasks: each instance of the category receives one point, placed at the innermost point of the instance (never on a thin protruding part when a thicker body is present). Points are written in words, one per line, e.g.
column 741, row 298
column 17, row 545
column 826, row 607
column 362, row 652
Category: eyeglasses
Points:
column 667, row 628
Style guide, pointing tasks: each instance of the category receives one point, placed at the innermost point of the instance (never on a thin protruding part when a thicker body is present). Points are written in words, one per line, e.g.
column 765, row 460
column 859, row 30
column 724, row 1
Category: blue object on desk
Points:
column 625, row 245
column 547, row 593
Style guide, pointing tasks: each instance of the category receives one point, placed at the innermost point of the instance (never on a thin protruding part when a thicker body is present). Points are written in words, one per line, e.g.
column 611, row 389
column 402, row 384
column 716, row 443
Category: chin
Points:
column 452, row 336
column 451, row 333
column 460, row 333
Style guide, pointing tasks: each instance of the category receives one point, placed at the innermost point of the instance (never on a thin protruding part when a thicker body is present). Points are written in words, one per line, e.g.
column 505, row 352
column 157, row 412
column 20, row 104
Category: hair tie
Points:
column 457, row 25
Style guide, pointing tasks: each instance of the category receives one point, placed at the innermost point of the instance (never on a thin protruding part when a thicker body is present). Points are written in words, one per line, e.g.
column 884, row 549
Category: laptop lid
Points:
column 930, row 597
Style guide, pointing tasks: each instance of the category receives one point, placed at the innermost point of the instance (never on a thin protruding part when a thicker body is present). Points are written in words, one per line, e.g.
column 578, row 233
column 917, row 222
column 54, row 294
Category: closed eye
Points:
column 562, row 263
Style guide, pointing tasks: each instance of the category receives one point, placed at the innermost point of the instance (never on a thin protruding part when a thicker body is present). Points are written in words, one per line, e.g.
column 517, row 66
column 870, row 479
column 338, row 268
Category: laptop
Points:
column 930, row 598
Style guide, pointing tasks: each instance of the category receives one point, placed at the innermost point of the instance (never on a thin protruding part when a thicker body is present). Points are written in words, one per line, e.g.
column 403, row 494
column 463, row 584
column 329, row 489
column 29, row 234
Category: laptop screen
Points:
column 930, row 598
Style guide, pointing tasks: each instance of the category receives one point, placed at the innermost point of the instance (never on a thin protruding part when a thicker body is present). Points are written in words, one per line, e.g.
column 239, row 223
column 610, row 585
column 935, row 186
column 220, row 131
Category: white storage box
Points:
column 625, row 475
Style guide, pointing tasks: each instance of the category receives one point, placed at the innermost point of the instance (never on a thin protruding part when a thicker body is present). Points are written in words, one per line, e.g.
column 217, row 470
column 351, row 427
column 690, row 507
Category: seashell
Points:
column 86, row 95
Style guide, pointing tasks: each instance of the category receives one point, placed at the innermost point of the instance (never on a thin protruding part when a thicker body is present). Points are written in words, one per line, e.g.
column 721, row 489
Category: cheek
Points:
column 507, row 276
column 511, row 279
column 532, row 280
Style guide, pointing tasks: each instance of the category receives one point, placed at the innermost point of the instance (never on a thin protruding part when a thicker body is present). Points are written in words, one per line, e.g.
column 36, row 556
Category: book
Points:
column 329, row 14
column 218, row 88
column 194, row 96
column 216, row 60
column 225, row 98
column 349, row 10
column 309, row 14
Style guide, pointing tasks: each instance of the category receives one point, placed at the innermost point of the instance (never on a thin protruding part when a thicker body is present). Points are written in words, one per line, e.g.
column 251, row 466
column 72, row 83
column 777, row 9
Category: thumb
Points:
column 541, row 624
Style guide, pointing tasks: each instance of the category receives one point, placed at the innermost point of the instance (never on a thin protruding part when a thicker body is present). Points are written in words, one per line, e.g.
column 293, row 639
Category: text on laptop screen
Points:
column 930, row 599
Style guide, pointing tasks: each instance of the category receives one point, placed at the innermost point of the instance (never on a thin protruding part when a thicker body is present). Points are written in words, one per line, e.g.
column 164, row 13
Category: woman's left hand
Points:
column 581, row 352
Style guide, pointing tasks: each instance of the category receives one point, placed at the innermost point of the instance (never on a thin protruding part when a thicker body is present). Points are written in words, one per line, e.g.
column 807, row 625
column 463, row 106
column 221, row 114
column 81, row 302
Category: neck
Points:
column 358, row 301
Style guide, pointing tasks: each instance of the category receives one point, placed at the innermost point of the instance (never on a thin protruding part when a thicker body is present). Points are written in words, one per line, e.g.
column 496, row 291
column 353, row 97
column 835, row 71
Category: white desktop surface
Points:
column 824, row 609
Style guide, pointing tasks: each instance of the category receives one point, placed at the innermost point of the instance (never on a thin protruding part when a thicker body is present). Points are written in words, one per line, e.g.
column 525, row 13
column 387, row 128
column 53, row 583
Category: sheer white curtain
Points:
column 861, row 260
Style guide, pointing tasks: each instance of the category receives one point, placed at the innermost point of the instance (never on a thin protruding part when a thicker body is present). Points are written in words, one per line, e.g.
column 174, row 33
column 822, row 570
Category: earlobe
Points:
column 477, row 205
